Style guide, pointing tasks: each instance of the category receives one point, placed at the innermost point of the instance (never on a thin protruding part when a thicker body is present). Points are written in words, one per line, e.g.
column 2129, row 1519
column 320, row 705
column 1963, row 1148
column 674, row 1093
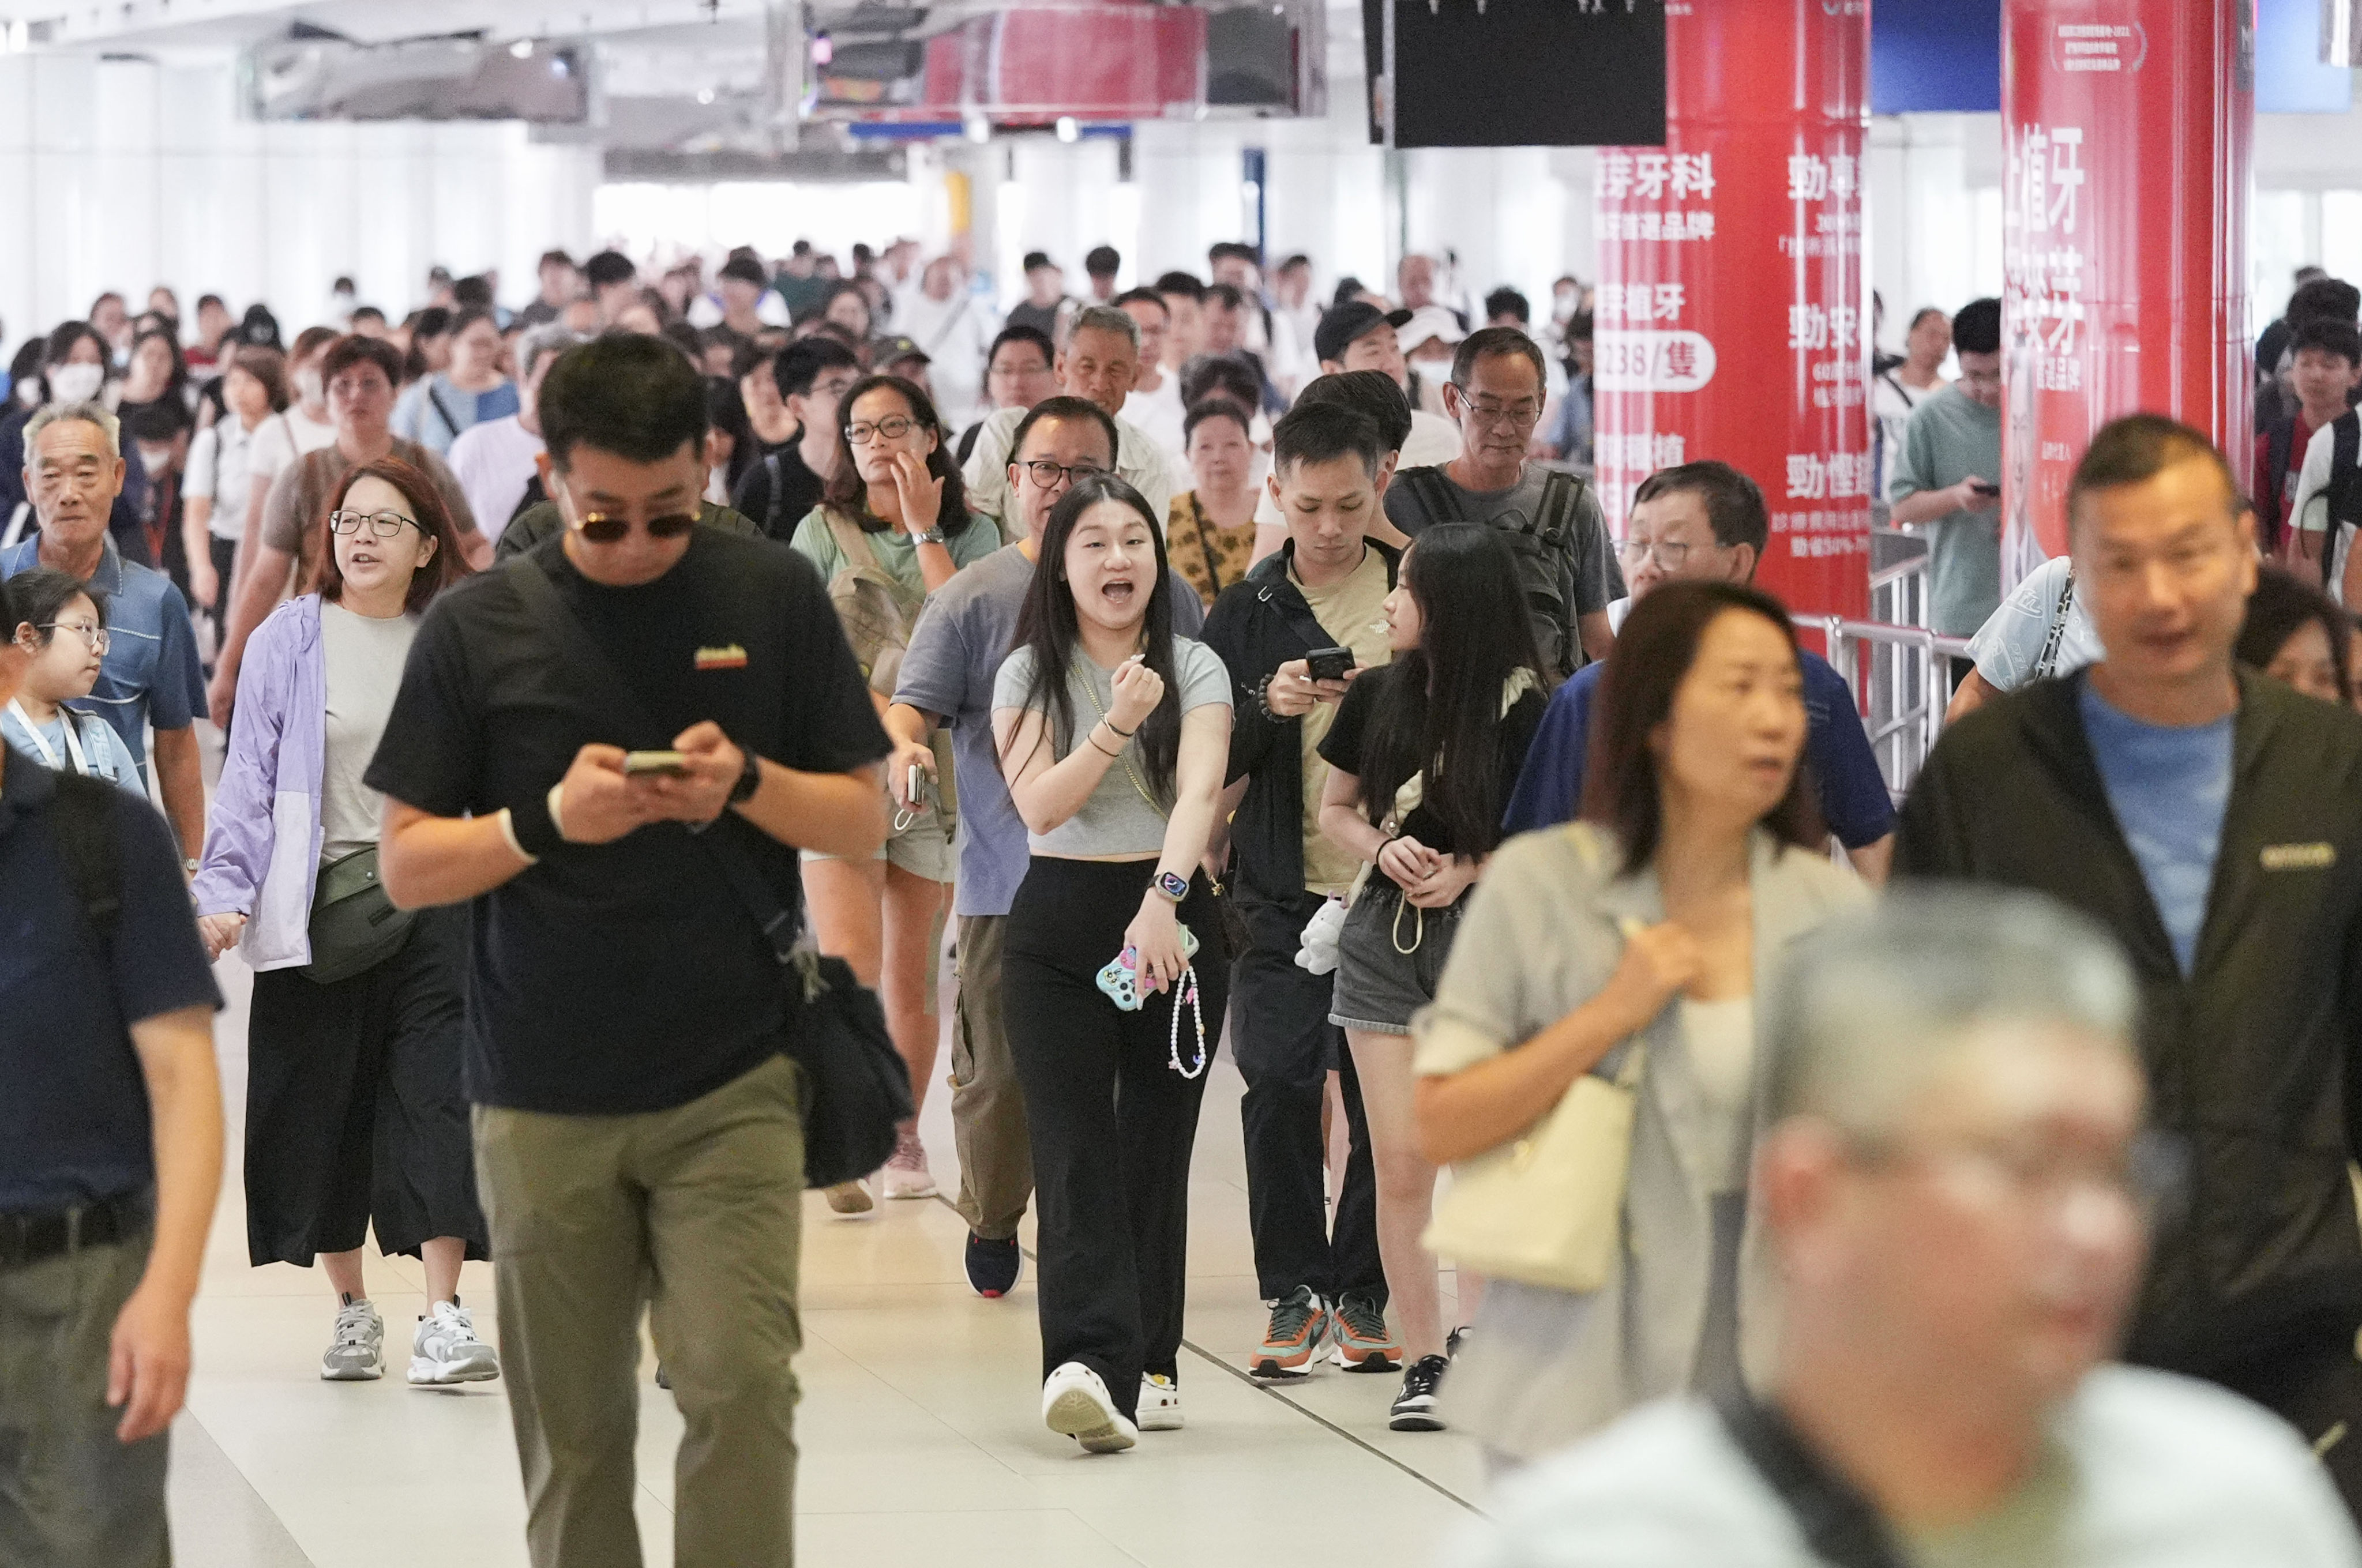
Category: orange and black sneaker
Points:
column 1357, row 1327
column 1299, row 1323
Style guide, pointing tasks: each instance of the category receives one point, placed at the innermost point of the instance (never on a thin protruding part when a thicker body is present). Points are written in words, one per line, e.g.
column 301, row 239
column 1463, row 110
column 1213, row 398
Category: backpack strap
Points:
column 2279, row 444
column 1840, row 1526
column 1434, row 498
column 1561, row 492
column 82, row 815
column 861, row 560
column 2343, row 495
column 771, row 503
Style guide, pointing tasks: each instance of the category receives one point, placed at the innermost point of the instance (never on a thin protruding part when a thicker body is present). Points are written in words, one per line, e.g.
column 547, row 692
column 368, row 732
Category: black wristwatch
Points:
column 750, row 778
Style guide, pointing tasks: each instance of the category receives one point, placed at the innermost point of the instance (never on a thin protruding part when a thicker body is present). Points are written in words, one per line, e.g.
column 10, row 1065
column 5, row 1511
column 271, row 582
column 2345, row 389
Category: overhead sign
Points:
column 1517, row 73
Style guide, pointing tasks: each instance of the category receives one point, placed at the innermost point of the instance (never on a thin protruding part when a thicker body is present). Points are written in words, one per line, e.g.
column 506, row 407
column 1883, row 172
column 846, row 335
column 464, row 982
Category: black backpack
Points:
column 2344, row 495
column 82, row 816
column 1539, row 546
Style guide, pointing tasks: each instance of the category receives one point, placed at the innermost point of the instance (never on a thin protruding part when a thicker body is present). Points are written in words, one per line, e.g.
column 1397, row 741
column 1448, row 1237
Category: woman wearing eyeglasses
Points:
column 354, row 1114
column 892, row 528
column 61, row 627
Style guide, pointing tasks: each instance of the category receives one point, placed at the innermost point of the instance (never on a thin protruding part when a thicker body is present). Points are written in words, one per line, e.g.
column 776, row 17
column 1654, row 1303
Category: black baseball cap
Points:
column 894, row 350
column 1341, row 324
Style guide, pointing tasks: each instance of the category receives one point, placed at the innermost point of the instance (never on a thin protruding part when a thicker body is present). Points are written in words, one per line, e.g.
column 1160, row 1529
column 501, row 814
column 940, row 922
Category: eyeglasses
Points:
column 381, row 524
column 893, row 429
column 2151, row 1173
column 602, row 529
column 1486, row 410
column 1048, row 475
column 1670, row 559
column 94, row 635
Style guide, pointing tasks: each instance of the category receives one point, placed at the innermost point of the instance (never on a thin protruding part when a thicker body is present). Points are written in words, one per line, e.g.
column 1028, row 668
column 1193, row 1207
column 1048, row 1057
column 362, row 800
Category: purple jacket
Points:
column 262, row 847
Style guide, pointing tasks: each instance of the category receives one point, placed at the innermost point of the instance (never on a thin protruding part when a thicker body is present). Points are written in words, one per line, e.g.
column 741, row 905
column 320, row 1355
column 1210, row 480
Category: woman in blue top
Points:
column 1113, row 734
column 61, row 627
column 892, row 528
column 469, row 392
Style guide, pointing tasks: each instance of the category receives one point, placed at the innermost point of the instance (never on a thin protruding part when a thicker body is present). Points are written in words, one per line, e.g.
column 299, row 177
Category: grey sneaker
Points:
column 446, row 1349
column 357, row 1354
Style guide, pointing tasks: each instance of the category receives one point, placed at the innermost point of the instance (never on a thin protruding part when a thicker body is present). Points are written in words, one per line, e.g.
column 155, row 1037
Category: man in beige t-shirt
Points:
column 1323, row 588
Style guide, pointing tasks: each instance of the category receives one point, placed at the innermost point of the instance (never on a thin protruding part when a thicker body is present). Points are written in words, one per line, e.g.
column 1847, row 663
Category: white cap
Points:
column 1430, row 321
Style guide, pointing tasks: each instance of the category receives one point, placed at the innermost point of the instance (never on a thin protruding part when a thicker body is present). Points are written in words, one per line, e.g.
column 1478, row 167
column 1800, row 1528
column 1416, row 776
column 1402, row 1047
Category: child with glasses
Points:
column 61, row 627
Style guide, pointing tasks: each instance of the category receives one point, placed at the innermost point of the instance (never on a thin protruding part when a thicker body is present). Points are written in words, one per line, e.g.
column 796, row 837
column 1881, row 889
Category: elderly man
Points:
column 1098, row 363
column 2212, row 819
column 495, row 461
column 1951, row 1188
column 1707, row 522
column 360, row 375
column 73, row 469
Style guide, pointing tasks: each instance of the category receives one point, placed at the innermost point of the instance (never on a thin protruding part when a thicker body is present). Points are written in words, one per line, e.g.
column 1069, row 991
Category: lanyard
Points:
column 41, row 746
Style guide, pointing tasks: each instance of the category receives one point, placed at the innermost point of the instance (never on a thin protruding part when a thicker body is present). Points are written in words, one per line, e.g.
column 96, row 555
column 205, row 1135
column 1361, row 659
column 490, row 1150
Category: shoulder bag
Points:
column 1548, row 1207
column 856, row 1087
column 354, row 926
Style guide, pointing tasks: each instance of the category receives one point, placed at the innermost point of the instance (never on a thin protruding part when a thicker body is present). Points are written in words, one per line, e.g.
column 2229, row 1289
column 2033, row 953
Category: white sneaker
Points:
column 356, row 1352
column 1074, row 1401
column 1160, row 1404
column 905, row 1173
column 446, row 1349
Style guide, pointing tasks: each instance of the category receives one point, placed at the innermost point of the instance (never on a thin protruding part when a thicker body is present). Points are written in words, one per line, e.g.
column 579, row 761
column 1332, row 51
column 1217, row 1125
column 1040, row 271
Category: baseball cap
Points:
column 893, row 350
column 1343, row 325
column 1431, row 321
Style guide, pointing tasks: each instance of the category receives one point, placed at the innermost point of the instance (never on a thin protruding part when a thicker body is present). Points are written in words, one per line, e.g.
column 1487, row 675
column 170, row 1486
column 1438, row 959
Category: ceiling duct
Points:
column 311, row 74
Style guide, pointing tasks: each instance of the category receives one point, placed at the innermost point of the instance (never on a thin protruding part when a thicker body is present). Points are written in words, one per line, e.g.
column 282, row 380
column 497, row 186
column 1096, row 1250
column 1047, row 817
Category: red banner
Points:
column 2126, row 126
column 1732, row 319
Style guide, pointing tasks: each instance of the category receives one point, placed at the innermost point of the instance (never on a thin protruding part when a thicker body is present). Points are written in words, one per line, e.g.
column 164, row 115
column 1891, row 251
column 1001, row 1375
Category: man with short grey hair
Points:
column 150, row 675
column 1955, row 1189
column 495, row 461
column 1099, row 361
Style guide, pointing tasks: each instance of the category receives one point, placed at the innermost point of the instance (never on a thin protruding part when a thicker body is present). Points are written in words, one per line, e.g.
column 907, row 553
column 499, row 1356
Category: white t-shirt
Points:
column 2312, row 513
column 279, row 441
column 1159, row 415
column 493, row 463
column 2142, row 1470
column 221, row 470
column 2009, row 645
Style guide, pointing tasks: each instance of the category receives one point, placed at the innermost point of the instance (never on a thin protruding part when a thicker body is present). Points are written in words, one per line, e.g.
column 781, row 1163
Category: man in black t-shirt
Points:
column 782, row 490
column 639, row 1132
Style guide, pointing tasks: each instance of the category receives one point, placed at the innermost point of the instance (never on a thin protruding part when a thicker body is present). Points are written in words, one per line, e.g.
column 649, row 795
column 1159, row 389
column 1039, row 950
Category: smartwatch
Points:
column 1173, row 885
column 750, row 778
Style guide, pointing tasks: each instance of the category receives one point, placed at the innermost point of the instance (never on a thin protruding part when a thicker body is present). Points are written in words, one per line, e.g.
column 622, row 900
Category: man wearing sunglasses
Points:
column 638, row 1131
column 947, row 675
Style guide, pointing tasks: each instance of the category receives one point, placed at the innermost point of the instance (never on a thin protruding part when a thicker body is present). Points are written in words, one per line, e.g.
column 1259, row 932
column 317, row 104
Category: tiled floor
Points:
column 921, row 1433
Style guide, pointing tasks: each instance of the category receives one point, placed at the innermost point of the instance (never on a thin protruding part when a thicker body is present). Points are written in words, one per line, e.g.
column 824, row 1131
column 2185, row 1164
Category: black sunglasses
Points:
column 602, row 529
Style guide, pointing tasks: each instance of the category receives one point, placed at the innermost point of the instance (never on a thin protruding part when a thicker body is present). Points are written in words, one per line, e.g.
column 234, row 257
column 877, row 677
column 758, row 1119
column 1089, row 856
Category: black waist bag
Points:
column 857, row 1087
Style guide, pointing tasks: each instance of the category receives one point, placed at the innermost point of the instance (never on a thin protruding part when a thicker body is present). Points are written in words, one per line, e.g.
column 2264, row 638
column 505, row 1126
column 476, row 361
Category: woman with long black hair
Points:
column 1422, row 757
column 1113, row 734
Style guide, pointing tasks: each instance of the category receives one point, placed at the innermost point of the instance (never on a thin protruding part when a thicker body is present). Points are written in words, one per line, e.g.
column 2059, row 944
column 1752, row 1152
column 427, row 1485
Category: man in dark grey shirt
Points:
column 1551, row 519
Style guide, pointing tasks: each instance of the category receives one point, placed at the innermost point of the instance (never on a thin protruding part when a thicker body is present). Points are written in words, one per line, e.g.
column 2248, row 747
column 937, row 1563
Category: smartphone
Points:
column 671, row 763
column 1986, row 489
column 1328, row 664
column 921, row 788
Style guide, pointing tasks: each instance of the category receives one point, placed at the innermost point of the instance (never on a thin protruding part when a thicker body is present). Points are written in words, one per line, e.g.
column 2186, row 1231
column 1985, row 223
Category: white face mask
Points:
column 307, row 385
column 75, row 383
column 1563, row 304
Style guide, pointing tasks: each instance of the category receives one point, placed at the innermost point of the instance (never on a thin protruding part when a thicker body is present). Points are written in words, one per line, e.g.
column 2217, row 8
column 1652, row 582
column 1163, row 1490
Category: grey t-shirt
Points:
column 2142, row 1470
column 364, row 658
column 1119, row 818
column 955, row 651
column 1589, row 578
column 1952, row 437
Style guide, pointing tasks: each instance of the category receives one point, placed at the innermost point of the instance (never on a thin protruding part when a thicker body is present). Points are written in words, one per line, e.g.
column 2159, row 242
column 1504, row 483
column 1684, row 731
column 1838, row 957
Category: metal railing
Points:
column 1900, row 672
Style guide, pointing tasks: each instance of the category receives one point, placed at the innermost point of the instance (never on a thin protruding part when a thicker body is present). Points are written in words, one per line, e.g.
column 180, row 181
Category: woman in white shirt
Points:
column 221, row 471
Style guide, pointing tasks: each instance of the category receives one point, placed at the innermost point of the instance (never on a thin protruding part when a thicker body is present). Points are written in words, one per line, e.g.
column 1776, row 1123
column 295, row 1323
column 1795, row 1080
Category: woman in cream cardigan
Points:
column 1651, row 922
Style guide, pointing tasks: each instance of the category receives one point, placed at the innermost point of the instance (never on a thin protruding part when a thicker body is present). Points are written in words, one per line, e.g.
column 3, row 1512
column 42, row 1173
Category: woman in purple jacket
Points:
column 354, row 1112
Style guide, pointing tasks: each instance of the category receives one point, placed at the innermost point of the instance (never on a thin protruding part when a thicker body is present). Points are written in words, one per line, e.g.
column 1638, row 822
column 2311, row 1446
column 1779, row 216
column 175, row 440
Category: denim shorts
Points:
column 1379, row 986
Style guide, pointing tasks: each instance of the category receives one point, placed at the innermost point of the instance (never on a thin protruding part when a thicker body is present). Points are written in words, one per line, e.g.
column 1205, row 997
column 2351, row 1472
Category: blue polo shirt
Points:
column 151, row 674
column 1853, row 794
column 74, row 1106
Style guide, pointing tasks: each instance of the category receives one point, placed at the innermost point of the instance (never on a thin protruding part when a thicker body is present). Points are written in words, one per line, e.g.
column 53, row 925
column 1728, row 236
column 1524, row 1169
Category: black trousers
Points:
column 2314, row 1383
column 353, row 1106
column 1111, row 1124
column 1286, row 1047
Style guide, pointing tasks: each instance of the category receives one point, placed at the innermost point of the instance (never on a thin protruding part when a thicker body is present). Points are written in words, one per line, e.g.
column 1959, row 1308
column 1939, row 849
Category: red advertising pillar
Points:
column 2126, row 127
column 1732, row 319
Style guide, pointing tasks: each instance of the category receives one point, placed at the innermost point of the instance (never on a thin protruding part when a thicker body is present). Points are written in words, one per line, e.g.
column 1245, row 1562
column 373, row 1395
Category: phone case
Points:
column 1121, row 978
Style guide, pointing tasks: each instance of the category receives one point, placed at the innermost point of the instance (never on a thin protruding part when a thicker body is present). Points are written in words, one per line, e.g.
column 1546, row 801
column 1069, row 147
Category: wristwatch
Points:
column 932, row 536
column 1173, row 885
column 750, row 778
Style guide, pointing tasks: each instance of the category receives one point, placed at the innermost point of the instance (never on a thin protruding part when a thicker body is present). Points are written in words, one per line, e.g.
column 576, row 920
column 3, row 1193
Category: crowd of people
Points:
column 1225, row 672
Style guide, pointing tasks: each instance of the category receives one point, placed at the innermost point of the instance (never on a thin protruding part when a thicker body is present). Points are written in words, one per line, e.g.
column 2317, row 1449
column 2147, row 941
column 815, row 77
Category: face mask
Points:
column 154, row 460
column 76, row 383
column 307, row 385
column 1563, row 305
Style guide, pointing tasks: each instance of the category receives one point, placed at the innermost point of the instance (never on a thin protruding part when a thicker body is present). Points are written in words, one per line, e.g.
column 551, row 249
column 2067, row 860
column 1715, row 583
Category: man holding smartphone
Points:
column 1945, row 481
column 638, row 1123
column 1320, row 597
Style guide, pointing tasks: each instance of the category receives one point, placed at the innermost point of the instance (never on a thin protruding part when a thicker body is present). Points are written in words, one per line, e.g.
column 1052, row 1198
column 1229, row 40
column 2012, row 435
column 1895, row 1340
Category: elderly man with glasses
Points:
column 1552, row 519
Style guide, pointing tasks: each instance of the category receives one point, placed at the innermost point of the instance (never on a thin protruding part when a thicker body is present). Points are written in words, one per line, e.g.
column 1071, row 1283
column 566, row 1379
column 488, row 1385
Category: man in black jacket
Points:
column 1323, row 589
column 2213, row 820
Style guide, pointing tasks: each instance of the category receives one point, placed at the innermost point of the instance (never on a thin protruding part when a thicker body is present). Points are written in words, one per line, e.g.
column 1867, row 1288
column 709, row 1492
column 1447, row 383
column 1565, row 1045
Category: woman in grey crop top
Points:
column 1114, row 734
